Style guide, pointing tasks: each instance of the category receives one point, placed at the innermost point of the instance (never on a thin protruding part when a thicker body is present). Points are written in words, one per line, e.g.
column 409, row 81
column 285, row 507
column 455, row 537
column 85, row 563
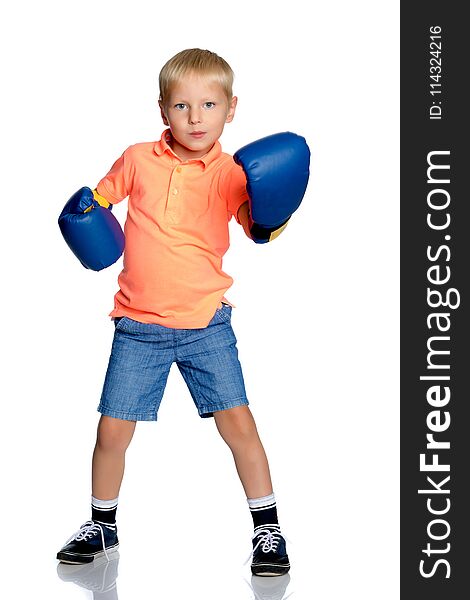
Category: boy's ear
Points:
column 162, row 112
column 231, row 109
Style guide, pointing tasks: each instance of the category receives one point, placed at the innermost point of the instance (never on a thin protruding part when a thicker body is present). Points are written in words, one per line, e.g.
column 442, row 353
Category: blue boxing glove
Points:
column 92, row 232
column 277, row 171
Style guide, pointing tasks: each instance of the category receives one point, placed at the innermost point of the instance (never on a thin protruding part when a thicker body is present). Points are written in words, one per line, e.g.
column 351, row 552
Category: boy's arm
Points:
column 90, row 229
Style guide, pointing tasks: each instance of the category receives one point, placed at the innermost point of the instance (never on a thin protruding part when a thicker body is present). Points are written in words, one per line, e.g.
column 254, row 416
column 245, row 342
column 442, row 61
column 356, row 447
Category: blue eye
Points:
column 212, row 104
column 180, row 106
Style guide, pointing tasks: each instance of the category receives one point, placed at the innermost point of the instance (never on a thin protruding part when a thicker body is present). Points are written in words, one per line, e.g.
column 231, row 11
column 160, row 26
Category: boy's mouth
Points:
column 197, row 134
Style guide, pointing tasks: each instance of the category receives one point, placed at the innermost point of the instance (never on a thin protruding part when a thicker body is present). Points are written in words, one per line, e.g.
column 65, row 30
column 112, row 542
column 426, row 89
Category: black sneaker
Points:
column 89, row 542
column 269, row 552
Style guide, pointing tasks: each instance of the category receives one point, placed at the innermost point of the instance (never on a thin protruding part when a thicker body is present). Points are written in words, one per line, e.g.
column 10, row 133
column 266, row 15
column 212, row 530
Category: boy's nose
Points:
column 194, row 117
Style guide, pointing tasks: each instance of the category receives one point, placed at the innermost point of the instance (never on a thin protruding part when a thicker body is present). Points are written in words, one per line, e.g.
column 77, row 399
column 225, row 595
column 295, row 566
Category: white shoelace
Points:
column 86, row 532
column 268, row 542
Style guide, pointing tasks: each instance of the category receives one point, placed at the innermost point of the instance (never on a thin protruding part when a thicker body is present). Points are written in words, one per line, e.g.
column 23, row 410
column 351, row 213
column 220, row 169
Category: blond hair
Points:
column 200, row 62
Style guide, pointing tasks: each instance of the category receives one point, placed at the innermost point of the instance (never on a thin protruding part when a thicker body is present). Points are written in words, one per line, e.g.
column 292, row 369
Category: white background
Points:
column 316, row 317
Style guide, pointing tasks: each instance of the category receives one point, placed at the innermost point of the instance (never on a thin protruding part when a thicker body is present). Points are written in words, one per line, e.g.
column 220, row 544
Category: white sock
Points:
column 104, row 504
column 261, row 503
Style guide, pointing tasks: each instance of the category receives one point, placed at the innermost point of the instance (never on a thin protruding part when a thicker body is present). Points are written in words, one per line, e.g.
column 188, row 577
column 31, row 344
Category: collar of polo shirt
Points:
column 163, row 146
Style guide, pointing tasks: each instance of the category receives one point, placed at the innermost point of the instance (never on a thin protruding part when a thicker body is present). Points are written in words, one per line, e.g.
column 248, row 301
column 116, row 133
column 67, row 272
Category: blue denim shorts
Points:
column 141, row 358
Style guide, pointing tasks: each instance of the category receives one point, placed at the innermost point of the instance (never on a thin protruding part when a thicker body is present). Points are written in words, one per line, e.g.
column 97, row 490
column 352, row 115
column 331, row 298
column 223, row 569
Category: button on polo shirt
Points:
column 176, row 231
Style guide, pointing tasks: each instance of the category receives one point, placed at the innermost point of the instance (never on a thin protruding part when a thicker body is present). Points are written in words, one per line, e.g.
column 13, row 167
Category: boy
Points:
column 170, row 307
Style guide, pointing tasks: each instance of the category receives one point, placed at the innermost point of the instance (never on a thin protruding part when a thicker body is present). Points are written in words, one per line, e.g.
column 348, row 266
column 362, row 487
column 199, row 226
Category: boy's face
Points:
column 196, row 112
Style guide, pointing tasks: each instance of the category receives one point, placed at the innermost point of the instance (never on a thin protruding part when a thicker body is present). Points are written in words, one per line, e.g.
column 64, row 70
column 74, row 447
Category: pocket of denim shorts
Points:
column 224, row 312
column 119, row 323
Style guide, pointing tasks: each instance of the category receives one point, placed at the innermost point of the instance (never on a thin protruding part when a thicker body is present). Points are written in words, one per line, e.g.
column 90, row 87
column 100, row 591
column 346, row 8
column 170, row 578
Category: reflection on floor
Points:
column 99, row 577
column 269, row 588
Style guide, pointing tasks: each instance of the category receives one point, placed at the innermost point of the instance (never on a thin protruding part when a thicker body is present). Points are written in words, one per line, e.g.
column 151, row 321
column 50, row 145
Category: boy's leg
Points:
column 99, row 535
column 208, row 361
column 112, row 440
column 238, row 429
column 140, row 360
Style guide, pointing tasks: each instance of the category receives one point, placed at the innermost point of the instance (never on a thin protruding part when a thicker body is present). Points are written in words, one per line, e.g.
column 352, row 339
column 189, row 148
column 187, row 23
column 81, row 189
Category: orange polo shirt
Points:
column 176, row 231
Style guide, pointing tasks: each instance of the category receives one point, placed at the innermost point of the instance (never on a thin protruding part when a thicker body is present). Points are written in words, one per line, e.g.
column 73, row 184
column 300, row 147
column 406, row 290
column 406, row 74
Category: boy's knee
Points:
column 114, row 434
column 236, row 424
